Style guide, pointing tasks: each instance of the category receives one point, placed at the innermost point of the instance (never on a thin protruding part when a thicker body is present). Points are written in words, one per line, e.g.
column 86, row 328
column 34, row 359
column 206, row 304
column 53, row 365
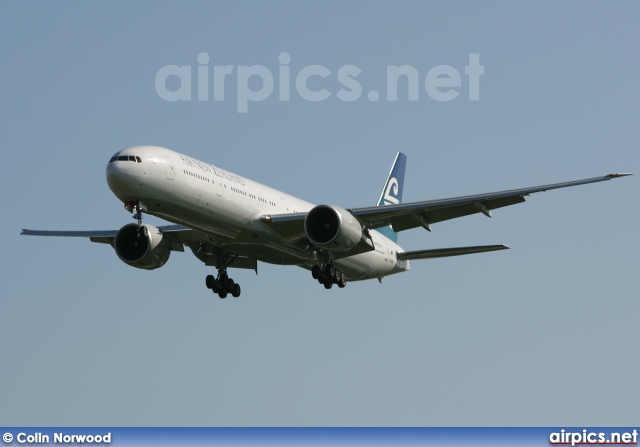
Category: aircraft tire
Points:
column 210, row 281
column 329, row 271
column 235, row 290
column 222, row 294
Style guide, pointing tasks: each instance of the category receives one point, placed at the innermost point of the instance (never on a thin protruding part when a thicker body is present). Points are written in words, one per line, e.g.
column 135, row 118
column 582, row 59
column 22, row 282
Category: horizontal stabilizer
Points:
column 445, row 252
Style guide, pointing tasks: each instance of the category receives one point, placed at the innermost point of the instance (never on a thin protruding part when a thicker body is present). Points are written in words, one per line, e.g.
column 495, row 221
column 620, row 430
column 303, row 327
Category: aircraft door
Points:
column 171, row 175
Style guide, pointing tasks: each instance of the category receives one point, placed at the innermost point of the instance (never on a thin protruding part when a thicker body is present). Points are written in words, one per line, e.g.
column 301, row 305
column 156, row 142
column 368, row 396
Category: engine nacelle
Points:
column 332, row 227
column 145, row 249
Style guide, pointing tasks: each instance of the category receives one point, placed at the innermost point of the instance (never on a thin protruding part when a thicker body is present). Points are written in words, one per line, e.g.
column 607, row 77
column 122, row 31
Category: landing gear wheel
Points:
column 222, row 285
column 329, row 271
column 327, row 275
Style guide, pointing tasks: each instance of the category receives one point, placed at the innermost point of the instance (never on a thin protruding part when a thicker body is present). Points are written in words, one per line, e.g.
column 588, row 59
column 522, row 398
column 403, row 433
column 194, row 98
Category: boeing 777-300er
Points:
column 229, row 221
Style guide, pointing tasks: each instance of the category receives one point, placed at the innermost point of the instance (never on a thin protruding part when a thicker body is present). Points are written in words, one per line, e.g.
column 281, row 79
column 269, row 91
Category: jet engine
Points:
column 332, row 227
column 144, row 248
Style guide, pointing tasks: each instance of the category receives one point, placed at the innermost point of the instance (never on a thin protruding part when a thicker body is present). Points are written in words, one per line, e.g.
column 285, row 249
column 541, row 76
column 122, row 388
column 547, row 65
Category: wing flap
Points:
column 446, row 252
column 289, row 227
column 442, row 213
column 102, row 239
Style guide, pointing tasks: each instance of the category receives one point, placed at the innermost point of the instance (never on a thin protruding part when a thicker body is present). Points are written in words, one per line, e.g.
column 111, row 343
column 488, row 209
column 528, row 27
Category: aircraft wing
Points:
column 410, row 215
column 179, row 234
column 105, row 236
column 404, row 216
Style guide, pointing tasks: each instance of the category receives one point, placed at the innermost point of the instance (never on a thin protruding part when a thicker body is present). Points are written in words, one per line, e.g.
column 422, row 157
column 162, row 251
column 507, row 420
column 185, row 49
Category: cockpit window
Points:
column 133, row 158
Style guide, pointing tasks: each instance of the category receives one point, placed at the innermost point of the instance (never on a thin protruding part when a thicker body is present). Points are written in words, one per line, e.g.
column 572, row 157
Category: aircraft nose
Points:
column 123, row 175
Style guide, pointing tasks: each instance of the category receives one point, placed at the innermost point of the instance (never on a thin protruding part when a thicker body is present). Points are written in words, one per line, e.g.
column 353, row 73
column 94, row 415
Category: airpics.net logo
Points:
column 313, row 83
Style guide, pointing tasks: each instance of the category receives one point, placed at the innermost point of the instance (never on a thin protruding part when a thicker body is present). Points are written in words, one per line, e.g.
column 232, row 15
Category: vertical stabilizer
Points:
column 392, row 191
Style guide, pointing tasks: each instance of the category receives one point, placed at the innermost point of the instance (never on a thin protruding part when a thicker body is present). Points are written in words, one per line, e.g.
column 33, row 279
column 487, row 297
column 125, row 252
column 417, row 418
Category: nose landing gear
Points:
column 137, row 208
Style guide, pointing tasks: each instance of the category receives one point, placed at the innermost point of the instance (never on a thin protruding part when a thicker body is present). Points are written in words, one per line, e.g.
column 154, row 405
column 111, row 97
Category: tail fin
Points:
column 392, row 191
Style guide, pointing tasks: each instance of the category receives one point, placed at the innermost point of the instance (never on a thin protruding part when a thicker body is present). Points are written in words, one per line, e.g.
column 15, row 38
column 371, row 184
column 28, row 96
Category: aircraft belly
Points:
column 227, row 231
column 270, row 254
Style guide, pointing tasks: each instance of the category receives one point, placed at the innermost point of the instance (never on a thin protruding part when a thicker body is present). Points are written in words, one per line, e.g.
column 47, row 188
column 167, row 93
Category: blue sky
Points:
column 542, row 334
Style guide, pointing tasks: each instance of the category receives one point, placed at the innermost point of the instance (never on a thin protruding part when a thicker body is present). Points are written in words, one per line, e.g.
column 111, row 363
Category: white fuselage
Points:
column 227, row 208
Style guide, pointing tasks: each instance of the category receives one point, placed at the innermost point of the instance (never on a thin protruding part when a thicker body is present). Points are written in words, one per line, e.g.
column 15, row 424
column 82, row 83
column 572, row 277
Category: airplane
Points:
column 229, row 221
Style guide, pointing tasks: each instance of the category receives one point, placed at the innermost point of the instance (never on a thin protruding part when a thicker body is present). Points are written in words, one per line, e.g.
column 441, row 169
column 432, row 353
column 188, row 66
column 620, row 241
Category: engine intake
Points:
column 146, row 248
column 332, row 227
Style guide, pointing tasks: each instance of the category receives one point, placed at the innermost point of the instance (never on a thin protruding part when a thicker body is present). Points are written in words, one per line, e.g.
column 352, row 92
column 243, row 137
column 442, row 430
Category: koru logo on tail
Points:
column 391, row 193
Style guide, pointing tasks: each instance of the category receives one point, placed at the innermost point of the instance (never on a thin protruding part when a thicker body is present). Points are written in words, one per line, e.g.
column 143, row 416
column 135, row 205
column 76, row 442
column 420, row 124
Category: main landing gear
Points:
column 328, row 275
column 223, row 285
